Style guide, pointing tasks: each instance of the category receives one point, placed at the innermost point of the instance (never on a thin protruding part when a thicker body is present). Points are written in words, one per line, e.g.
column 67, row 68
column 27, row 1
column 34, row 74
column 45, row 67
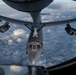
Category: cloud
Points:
column 62, row 5
column 15, row 68
column 18, row 32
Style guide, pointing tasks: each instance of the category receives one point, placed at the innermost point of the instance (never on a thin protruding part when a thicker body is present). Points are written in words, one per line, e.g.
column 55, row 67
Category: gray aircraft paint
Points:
column 33, row 7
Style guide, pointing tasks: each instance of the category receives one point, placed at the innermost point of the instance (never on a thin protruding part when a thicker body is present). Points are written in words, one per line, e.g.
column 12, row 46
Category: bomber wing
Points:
column 19, row 22
column 56, row 23
column 68, row 28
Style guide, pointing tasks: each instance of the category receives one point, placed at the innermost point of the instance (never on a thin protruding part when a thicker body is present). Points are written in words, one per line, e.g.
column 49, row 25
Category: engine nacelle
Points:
column 70, row 30
column 4, row 27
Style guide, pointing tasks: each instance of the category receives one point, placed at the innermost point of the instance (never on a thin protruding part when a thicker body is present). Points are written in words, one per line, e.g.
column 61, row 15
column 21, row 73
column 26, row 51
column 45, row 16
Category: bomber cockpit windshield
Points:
column 24, row 0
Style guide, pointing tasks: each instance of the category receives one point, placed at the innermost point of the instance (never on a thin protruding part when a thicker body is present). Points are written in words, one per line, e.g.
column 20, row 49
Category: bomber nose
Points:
column 34, row 56
column 33, row 62
column 34, row 52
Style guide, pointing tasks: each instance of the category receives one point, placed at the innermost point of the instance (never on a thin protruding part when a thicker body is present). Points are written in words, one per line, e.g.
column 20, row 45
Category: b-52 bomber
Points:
column 34, row 8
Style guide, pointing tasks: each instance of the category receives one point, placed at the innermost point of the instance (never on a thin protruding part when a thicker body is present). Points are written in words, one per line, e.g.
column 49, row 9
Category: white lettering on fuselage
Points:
column 35, row 34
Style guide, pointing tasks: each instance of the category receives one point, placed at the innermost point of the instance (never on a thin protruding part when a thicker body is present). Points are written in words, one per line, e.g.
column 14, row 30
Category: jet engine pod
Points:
column 70, row 30
column 28, row 5
column 4, row 27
